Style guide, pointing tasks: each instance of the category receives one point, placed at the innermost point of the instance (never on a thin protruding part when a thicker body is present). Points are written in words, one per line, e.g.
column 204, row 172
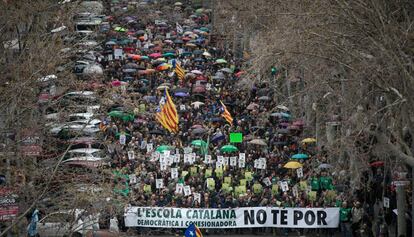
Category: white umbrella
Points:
column 197, row 104
column 282, row 107
column 207, row 54
column 197, row 72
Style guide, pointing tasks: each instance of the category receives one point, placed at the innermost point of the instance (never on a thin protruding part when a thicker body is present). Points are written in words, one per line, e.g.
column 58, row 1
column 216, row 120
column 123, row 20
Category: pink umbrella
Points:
column 198, row 72
column 252, row 106
column 116, row 83
column 197, row 126
column 298, row 123
column 155, row 55
column 199, row 89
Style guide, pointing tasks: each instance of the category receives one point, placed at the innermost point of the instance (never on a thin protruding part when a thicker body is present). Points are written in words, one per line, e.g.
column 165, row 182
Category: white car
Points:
column 87, row 157
column 86, row 126
column 64, row 223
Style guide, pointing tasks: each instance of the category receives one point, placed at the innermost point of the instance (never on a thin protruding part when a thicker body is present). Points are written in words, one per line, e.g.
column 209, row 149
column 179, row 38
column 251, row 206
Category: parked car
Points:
column 78, row 98
column 85, row 126
column 85, row 157
column 64, row 223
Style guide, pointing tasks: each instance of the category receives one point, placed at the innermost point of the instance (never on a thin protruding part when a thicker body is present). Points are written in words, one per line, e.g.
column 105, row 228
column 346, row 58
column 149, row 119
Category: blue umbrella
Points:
column 300, row 156
column 150, row 98
column 286, row 115
column 217, row 137
column 181, row 94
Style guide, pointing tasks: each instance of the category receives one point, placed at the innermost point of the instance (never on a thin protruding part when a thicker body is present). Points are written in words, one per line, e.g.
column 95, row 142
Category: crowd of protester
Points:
column 143, row 153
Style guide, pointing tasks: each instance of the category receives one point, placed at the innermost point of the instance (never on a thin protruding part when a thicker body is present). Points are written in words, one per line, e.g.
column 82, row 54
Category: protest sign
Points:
column 236, row 137
column 174, row 173
column 187, row 190
column 246, row 217
column 122, row 139
column 159, row 183
column 131, row 155
column 149, row 147
column 299, row 172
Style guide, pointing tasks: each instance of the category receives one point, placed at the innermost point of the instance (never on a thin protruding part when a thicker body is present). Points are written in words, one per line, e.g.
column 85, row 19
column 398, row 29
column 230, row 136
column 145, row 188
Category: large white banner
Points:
column 246, row 217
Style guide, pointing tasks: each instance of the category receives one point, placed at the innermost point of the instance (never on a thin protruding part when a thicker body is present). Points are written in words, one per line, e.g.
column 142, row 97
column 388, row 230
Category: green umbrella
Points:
column 168, row 55
column 205, row 29
column 221, row 60
column 122, row 115
column 228, row 148
column 199, row 11
column 120, row 29
column 145, row 57
column 199, row 143
column 163, row 148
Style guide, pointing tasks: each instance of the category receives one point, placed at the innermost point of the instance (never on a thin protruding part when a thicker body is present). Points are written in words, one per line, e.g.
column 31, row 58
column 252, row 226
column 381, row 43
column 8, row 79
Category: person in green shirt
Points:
column 315, row 185
column 345, row 220
column 325, row 181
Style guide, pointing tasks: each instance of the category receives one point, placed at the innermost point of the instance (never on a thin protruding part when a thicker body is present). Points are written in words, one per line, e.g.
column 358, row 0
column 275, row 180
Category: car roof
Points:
column 84, row 150
column 86, row 93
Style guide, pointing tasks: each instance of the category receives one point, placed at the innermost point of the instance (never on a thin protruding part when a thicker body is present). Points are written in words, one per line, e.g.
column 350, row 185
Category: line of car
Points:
column 72, row 120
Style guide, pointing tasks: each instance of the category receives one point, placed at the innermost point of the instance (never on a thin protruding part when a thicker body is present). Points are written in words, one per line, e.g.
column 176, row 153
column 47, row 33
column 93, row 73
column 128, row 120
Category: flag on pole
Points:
column 192, row 231
column 179, row 71
column 179, row 28
column 226, row 114
column 167, row 114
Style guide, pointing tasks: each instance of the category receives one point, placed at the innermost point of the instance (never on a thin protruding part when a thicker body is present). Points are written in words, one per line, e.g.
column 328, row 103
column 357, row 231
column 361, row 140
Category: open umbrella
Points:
column 226, row 70
column 157, row 132
column 199, row 143
column 217, row 137
column 325, row 166
column 171, row 55
column 198, row 72
column 228, row 148
column 282, row 107
column 259, row 142
column 181, row 94
column 293, row 165
column 264, row 98
column 120, row 29
column 155, row 55
column 122, row 115
column 197, row 104
column 377, row 164
column 164, row 148
column 198, row 52
column 198, row 131
column 164, row 67
column 221, row 61
column 300, row 156
column 163, row 87
column 252, row 106
column 309, row 140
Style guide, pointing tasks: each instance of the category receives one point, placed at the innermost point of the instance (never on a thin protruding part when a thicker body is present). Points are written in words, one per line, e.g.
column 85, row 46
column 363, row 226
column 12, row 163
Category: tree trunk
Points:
column 402, row 208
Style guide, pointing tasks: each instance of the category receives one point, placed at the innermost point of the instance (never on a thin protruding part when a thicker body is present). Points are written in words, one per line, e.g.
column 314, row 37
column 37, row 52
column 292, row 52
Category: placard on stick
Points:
column 236, row 137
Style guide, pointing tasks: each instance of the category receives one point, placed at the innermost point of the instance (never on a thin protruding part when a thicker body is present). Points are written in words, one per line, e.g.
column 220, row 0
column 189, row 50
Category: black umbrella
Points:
column 140, row 32
column 129, row 70
column 197, row 51
column 183, row 90
column 130, row 66
column 157, row 132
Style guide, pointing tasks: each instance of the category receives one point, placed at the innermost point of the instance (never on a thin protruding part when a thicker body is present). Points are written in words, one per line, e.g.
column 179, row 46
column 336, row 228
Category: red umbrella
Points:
column 199, row 89
column 186, row 39
column 201, row 78
column 239, row 73
column 134, row 56
column 377, row 164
